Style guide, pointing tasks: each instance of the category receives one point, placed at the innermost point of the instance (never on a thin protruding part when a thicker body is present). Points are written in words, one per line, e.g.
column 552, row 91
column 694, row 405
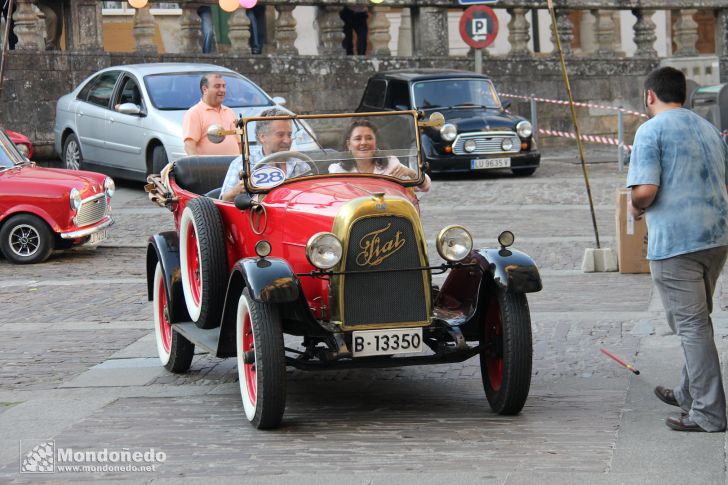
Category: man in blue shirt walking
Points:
column 678, row 173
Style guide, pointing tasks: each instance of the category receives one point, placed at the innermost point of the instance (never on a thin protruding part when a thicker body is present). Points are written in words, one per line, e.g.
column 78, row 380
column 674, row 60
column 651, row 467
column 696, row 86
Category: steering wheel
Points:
column 302, row 157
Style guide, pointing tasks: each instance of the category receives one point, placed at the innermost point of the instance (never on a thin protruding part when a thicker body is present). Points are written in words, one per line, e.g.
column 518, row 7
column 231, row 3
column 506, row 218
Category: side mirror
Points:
column 279, row 100
column 130, row 109
column 243, row 202
column 213, row 134
column 506, row 104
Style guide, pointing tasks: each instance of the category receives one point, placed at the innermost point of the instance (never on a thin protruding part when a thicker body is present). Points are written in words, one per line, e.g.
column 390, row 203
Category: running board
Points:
column 204, row 339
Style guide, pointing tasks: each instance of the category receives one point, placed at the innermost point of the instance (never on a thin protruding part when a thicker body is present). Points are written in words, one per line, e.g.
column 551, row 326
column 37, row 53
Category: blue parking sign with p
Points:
column 477, row 2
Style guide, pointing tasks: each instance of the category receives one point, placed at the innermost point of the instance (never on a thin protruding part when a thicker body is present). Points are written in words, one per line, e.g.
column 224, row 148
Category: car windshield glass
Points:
column 287, row 148
column 448, row 93
column 9, row 155
column 178, row 91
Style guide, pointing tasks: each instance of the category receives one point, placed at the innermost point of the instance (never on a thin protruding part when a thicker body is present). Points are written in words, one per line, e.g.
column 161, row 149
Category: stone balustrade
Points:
column 421, row 27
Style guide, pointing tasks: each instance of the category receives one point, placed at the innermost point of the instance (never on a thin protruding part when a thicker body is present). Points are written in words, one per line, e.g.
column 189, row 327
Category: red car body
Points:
column 21, row 141
column 36, row 214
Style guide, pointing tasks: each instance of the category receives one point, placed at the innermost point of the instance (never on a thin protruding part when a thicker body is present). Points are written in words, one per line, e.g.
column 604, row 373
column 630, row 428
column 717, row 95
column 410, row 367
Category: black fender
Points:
column 269, row 280
column 164, row 248
column 464, row 294
column 512, row 270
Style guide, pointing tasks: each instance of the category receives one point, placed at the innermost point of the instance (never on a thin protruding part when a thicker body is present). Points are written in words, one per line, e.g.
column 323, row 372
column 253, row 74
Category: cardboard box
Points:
column 631, row 238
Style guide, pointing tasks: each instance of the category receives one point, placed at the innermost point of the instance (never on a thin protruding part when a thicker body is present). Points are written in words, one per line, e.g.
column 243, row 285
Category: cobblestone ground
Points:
column 78, row 362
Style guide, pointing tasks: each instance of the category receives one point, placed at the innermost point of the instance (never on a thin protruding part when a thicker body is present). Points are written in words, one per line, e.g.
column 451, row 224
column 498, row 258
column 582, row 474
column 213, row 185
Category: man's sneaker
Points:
column 666, row 395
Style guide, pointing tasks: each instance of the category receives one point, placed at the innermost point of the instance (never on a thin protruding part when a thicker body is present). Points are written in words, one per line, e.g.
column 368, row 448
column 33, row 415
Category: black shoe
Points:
column 666, row 395
column 682, row 423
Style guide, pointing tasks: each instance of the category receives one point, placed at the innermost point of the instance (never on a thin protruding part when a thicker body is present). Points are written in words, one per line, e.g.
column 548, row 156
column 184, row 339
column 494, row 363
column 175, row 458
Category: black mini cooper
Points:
column 478, row 134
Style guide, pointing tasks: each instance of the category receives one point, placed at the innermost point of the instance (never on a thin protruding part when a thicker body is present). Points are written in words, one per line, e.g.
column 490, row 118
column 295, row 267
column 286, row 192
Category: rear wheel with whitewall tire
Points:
column 506, row 351
column 261, row 362
column 203, row 258
column 175, row 352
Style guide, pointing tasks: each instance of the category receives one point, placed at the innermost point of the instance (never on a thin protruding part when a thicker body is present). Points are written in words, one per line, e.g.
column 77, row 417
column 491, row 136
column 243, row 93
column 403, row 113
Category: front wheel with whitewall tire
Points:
column 261, row 362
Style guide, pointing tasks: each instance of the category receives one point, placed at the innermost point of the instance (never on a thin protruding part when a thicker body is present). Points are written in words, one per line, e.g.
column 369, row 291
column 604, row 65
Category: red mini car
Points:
column 42, row 209
column 22, row 142
column 324, row 244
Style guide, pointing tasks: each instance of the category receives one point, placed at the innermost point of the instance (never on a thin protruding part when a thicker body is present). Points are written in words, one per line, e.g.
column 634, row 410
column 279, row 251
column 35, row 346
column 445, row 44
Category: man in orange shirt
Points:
column 210, row 111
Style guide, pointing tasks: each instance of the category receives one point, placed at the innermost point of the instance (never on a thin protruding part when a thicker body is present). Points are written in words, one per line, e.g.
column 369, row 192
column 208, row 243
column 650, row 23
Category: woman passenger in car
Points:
column 361, row 141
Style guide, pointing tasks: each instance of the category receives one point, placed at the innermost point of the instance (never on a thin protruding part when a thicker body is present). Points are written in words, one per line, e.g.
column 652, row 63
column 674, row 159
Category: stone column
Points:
column 566, row 33
column 26, row 19
column 84, row 25
column 144, row 27
column 379, row 31
column 721, row 33
column 604, row 33
column 518, row 32
column 190, row 28
column 331, row 31
column 644, row 34
column 686, row 33
column 429, row 25
column 239, row 32
column 285, row 31
column 404, row 37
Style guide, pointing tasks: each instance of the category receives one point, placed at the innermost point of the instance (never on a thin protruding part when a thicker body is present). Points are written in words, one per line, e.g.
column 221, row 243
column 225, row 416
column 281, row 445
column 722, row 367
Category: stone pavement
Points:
column 78, row 366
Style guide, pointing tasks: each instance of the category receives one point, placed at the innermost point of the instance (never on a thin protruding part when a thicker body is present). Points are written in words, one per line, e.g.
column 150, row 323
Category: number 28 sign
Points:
column 479, row 26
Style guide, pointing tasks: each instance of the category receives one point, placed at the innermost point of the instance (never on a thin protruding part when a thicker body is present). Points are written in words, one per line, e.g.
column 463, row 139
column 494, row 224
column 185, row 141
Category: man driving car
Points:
column 273, row 136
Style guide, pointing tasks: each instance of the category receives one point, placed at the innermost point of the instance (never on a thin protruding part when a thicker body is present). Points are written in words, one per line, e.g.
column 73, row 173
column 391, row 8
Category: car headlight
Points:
column 109, row 186
column 470, row 146
column 507, row 145
column 448, row 132
column 324, row 250
column 524, row 129
column 454, row 243
column 75, row 199
column 23, row 149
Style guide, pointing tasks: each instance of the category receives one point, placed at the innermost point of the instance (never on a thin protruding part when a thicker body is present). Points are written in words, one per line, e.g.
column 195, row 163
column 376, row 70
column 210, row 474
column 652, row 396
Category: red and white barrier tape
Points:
column 604, row 140
column 576, row 103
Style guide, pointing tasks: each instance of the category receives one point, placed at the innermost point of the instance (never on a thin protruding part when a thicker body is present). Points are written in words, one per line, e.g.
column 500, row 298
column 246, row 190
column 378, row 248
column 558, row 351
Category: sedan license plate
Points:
column 387, row 342
column 97, row 237
column 479, row 164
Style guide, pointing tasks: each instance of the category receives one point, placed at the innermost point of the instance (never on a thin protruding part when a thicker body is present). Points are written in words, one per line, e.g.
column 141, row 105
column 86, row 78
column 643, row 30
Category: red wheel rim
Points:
column 494, row 339
column 193, row 265
column 165, row 328
column 251, row 379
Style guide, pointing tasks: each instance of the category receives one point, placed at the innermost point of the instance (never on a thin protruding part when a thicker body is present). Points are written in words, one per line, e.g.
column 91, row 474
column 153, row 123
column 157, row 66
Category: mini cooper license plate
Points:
column 479, row 164
column 387, row 342
column 97, row 237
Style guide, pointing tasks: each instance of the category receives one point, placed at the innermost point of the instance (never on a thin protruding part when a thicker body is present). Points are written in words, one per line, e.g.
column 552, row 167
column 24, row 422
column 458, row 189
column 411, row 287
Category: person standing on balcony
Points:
column 256, row 15
column 355, row 20
column 8, row 17
column 678, row 174
column 208, row 30
column 209, row 111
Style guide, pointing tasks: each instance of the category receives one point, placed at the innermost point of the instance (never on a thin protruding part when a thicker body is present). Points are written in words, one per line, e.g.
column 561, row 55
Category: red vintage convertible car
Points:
column 42, row 209
column 336, row 260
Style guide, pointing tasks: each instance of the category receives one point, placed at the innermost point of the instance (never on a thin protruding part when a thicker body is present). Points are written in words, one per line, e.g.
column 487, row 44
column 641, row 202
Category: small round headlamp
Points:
column 524, row 129
column 75, row 199
column 454, row 243
column 324, row 250
column 448, row 132
column 109, row 186
column 507, row 144
column 469, row 146
column 506, row 238
column 262, row 248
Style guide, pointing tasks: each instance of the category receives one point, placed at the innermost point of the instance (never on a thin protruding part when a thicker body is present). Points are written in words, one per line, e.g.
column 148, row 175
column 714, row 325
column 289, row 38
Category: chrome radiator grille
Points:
column 486, row 143
column 92, row 210
column 383, row 243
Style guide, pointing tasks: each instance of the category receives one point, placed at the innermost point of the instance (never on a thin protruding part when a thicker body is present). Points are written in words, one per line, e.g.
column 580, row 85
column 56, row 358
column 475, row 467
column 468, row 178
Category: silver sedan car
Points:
column 127, row 120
